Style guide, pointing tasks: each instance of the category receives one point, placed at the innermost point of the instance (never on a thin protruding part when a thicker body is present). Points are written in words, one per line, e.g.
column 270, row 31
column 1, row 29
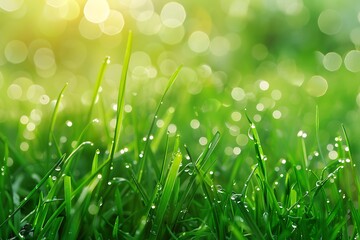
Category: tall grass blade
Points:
column 67, row 195
column 119, row 112
column 258, row 148
column 165, row 197
column 54, row 114
column 55, row 227
column 97, row 86
column 317, row 134
column 6, row 199
column 147, row 146
column 121, row 95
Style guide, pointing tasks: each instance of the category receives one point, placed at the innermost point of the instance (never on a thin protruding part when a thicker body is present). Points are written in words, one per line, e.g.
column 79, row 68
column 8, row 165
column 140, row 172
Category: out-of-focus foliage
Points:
column 277, row 58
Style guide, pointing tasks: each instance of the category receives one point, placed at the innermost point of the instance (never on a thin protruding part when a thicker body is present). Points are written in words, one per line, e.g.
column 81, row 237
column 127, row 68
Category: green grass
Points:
column 161, row 188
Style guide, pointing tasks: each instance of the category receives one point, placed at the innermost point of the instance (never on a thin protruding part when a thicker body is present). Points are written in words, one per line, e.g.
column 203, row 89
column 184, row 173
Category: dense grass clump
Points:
column 159, row 188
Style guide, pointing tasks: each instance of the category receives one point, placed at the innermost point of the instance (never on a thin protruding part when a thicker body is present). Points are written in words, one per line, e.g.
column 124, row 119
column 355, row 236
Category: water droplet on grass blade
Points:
column 319, row 183
column 69, row 123
column 250, row 134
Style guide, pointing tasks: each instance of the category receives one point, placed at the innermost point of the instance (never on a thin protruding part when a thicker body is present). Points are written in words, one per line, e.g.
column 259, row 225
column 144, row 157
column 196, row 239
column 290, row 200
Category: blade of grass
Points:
column 165, row 197
column 115, row 232
column 258, row 149
column 5, row 190
column 317, row 127
column 97, row 87
column 121, row 95
column 119, row 112
column 55, row 227
column 146, row 148
column 353, row 164
column 67, row 195
column 355, row 215
column 54, row 114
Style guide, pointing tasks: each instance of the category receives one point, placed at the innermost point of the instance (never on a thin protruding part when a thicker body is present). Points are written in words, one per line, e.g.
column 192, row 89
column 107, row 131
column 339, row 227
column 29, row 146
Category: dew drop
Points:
column 318, row 183
column 250, row 134
column 69, row 123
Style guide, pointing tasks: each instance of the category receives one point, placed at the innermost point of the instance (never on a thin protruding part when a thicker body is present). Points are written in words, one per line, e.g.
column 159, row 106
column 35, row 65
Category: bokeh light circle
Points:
column 172, row 36
column 151, row 26
column 89, row 30
column 330, row 22
column 173, row 14
column 332, row 61
column 113, row 24
column 352, row 61
column 219, row 46
column 96, row 11
column 199, row 41
column 16, row 51
column 44, row 58
column 142, row 10
column 14, row 91
column 11, row 5
column 355, row 36
column 238, row 94
column 316, row 86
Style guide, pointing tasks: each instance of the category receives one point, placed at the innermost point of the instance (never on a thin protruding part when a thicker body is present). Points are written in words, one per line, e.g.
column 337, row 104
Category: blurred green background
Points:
column 279, row 59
